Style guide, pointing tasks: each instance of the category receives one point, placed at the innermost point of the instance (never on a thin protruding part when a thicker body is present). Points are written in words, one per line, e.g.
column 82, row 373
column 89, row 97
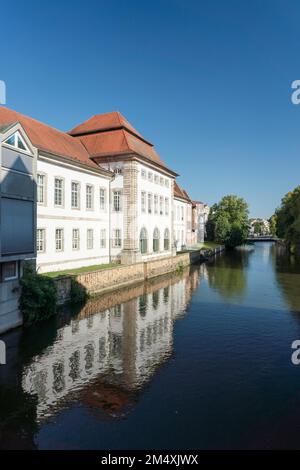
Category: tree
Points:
column 259, row 227
column 228, row 221
column 288, row 220
column 273, row 225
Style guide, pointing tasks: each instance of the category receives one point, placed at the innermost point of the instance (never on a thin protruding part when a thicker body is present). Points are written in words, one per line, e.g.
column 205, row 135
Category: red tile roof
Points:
column 48, row 138
column 108, row 135
column 181, row 193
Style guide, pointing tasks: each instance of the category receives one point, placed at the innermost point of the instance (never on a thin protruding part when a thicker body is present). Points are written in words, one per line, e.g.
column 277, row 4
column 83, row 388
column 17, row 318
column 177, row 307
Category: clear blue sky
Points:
column 208, row 82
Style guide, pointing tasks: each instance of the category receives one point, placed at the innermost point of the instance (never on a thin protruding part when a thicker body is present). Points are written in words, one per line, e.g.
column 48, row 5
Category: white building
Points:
column 184, row 233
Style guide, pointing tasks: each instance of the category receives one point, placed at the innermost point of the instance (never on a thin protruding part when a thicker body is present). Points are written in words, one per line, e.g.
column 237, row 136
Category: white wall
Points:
column 153, row 220
column 50, row 217
column 181, row 209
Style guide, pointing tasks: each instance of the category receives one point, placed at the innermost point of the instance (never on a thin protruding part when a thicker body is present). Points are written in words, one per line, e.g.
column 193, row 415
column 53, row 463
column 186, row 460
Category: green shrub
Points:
column 78, row 292
column 38, row 297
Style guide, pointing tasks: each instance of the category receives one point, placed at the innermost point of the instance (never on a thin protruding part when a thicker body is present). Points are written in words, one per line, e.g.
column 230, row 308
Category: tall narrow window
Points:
column 89, row 196
column 143, row 241
column 166, row 239
column 59, row 239
column 117, row 241
column 156, row 240
column 117, row 200
column 102, row 198
column 143, row 201
column 161, row 204
column 182, row 213
column 58, row 191
column 75, row 196
column 40, row 240
column 75, row 239
column 102, row 238
column 155, row 203
column 89, row 239
column 41, row 189
column 167, row 206
column 149, row 203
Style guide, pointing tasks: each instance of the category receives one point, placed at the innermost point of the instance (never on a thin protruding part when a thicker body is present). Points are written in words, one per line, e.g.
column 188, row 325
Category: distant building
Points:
column 259, row 227
column 200, row 217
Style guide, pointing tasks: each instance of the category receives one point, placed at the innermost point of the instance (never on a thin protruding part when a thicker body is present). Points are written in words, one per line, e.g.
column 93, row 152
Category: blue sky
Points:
column 208, row 82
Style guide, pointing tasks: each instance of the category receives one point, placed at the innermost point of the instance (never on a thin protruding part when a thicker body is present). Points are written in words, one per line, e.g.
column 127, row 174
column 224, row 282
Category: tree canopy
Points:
column 228, row 221
column 288, row 220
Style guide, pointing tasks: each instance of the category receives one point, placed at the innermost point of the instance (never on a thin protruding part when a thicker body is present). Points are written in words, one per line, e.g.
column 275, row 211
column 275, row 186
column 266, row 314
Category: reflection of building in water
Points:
column 103, row 358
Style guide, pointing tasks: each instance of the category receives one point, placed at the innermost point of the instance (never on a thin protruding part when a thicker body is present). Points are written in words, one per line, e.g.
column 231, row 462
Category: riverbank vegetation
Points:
column 82, row 270
column 228, row 222
column 286, row 220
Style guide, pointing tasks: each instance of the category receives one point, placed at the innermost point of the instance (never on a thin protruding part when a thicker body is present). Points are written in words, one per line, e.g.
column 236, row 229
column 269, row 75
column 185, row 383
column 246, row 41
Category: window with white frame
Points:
column 89, row 239
column 155, row 203
column 167, row 206
column 161, row 180
column 161, row 205
column 143, row 201
column 117, row 200
column 117, row 240
column 156, row 240
column 10, row 271
column 17, row 141
column 118, row 170
column 150, row 176
column 156, row 178
column 182, row 213
column 41, row 189
column 149, row 203
column 59, row 239
column 166, row 239
column 102, row 198
column 75, row 195
column 102, row 238
column 58, row 192
column 166, row 182
column 89, row 196
column 41, row 240
column 75, row 239
column 143, row 174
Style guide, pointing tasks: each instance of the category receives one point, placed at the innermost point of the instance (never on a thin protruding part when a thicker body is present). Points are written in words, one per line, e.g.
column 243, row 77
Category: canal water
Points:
column 199, row 359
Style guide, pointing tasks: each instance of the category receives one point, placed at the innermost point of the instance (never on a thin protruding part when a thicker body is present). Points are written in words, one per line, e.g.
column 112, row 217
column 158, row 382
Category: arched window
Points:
column 166, row 240
column 156, row 240
column 143, row 241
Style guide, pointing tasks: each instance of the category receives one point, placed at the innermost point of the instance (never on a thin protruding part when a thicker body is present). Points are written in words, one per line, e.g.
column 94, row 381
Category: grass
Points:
column 209, row 245
column 82, row 270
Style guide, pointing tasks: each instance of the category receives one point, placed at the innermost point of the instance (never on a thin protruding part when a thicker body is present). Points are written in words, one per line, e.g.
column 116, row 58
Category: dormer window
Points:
column 17, row 141
column 118, row 171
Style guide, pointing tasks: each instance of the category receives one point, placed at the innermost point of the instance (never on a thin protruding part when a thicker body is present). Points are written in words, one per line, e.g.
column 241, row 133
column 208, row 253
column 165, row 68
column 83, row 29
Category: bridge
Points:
column 262, row 238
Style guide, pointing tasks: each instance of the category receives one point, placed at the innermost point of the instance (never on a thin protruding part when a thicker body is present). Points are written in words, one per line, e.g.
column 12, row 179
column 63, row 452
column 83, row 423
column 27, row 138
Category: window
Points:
column 102, row 238
column 143, row 173
column 150, row 176
column 156, row 240
column 161, row 204
column 17, row 141
column 117, row 201
column 156, row 179
column 75, row 196
column 161, row 180
column 59, row 239
column 41, row 189
column 155, row 204
column 143, row 241
column 182, row 213
column 40, row 240
column 166, row 239
column 117, row 241
column 143, row 201
column 166, row 182
column 102, row 198
column 118, row 171
column 89, row 196
column 10, row 271
column 75, row 239
column 89, row 239
column 58, row 191
column 166, row 206
column 149, row 203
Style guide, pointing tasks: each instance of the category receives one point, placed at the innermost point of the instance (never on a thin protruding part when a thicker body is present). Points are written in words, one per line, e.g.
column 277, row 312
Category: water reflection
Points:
column 228, row 274
column 103, row 356
column 287, row 269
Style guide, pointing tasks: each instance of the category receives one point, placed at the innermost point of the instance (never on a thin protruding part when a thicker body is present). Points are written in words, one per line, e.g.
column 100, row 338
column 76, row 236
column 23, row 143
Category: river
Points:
column 196, row 360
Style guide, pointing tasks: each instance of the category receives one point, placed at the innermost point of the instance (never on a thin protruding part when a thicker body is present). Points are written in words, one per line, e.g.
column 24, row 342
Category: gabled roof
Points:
column 111, row 135
column 47, row 138
column 181, row 193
